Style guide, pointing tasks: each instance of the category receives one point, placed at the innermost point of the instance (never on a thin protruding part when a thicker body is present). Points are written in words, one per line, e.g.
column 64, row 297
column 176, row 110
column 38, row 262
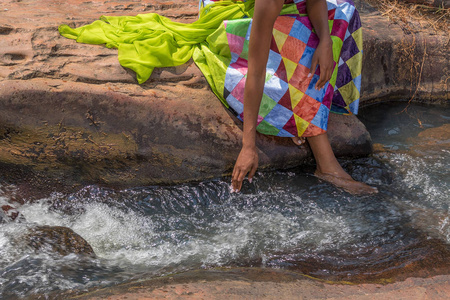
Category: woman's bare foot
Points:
column 298, row 140
column 329, row 169
column 348, row 184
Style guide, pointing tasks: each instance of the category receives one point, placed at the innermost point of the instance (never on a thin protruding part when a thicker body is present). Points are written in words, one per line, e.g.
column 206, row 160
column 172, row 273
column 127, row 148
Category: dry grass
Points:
column 415, row 17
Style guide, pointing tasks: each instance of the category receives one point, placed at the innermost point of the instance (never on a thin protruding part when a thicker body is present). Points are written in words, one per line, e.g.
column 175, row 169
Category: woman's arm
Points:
column 265, row 14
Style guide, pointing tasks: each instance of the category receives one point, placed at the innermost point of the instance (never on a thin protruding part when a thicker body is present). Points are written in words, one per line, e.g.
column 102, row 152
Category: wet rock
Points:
column 437, row 135
column 387, row 263
column 432, row 140
column 9, row 213
column 8, row 205
column 57, row 239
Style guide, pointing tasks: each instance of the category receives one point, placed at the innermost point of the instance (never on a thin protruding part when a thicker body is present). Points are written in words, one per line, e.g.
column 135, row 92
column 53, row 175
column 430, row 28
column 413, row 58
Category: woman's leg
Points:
column 329, row 169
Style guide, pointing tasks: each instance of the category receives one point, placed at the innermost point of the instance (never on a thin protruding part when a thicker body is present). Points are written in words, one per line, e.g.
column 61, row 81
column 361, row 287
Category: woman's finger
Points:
column 238, row 178
column 252, row 172
column 324, row 77
column 320, row 83
column 234, row 176
column 233, row 173
column 241, row 177
column 237, row 182
column 312, row 70
column 330, row 70
column 329, row 73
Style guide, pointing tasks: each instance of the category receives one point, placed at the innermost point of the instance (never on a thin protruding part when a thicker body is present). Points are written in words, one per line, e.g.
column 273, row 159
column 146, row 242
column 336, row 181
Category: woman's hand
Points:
column 247, row 162
column 323, row 56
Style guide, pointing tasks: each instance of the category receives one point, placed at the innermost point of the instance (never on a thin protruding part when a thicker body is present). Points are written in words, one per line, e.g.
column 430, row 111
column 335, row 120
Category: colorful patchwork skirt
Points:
column 218, row 43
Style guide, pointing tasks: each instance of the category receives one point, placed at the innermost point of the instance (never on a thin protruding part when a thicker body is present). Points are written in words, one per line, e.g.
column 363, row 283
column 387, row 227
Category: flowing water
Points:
column 286, row 219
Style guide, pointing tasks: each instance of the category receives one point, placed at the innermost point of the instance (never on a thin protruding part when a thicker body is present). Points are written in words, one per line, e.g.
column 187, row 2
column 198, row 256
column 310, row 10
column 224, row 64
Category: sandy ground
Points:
column 254, row 283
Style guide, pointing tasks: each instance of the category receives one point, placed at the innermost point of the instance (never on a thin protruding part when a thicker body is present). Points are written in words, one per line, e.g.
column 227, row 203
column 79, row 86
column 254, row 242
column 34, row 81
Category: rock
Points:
column 437, row 135
column 8, row 204
column 428, row 142
column 264, row 283
column 57, row 239
column 402, row 60
column 8, row 213
column 98, row 134
column 70, row 111
column 431, row 140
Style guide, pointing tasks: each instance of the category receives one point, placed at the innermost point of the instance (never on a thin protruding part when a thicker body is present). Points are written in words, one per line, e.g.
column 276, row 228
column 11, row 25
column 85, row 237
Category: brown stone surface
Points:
column 436, row 135
column 429, row 141
column 267, row 284
column 403, row 60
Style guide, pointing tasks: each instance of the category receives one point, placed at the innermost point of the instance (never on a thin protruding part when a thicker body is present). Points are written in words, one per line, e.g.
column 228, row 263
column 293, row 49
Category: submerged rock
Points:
column 57, row 239
column 437, row 135
column 432, row 140
column 8, row 213
column 8, row 207
column 427, row 142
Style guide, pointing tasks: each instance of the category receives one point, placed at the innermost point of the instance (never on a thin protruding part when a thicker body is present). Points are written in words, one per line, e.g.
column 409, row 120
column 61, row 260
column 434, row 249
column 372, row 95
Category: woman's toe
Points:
column 298, row 140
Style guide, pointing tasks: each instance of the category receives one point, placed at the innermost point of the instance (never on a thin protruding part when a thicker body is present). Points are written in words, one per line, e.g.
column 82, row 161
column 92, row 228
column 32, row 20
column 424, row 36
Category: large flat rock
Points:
column 70, row 110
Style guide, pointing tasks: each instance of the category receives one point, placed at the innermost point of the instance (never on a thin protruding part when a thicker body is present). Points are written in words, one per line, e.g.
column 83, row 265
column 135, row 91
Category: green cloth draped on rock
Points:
column 218, row 43
column 149, row 41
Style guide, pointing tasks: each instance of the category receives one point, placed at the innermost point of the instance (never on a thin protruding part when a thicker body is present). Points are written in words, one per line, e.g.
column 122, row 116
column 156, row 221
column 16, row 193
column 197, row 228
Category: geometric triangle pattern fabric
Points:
column 290, row 105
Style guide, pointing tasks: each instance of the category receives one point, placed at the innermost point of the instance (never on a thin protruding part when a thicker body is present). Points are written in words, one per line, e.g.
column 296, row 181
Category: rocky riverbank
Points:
column 255, row 283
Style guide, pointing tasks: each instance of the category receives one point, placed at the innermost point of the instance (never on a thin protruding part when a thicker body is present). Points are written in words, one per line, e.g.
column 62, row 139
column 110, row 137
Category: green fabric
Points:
column 147, row 41
column 213, row 60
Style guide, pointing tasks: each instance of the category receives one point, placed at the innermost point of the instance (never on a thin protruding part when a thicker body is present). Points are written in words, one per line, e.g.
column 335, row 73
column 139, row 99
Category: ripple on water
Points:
column 282, row 220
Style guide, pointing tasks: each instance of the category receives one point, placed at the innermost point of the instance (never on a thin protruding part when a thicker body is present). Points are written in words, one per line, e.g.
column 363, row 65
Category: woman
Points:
column 283, row 81
column 265, row 14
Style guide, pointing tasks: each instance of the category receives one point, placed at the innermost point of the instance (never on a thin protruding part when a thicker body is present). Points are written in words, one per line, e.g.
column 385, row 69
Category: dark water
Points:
column 283, row 219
